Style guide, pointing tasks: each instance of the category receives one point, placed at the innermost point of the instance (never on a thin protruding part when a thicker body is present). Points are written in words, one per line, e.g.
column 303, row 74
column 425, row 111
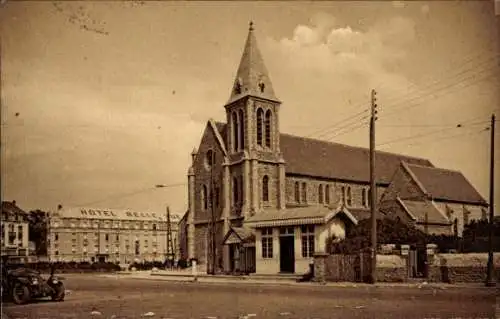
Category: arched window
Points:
column 320, row 193
column 260, row 115
column 297, row 192
column 242, row 128
column 236, row 187
column 209, row 159
column 327, row 194
column 304, row 192
column 268, row 128
column 265, row 188
column 204, row 197
column 349, row 196
column 343, row 194
column 235, row 131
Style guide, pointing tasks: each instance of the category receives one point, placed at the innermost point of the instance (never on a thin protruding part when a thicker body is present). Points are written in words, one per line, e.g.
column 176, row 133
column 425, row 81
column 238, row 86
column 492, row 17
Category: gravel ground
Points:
column 93, row 296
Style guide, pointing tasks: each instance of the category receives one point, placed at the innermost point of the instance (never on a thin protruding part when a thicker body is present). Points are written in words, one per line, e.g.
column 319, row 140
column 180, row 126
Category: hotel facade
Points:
column 110, row 235
column 14, row 232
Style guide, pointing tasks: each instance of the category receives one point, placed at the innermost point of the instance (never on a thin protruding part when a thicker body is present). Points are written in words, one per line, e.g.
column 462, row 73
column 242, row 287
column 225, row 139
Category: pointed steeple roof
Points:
column 252, row 77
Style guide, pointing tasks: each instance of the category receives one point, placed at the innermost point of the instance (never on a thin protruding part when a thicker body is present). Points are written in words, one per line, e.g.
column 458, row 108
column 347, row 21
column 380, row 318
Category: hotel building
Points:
column 110, row 235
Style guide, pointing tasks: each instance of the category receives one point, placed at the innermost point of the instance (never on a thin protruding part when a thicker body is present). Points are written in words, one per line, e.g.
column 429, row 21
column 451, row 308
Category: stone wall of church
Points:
column 339, row 191
column 205, row 173
column 271, row 171
column 200, row 244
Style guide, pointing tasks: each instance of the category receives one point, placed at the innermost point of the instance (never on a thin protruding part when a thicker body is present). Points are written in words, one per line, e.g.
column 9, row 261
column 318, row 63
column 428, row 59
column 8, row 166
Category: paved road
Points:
column 135, row 298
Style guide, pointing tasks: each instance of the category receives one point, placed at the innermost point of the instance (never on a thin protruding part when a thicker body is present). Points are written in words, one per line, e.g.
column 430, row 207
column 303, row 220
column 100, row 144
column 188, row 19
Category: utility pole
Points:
column 170, row 249
column 490, row 282
column 373, row 192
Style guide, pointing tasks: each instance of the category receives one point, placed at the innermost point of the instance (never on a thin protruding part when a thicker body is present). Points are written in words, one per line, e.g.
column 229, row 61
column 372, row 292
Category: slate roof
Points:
column 417, row 209
column 12, row 208
column 317, row 214
column 244, row 233
column 251, row 72
column 312, row 157
column 444, row 184
column 360, row 213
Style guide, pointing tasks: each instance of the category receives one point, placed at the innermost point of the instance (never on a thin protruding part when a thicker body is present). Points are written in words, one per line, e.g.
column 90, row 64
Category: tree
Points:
column 389, row 231
column 38, row 222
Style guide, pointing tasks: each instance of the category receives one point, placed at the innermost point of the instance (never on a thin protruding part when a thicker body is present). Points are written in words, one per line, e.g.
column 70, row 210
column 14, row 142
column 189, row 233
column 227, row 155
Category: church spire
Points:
column 252, row 77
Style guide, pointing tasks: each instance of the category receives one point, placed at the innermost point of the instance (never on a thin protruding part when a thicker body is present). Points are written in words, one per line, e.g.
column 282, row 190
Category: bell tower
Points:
column 253, row 139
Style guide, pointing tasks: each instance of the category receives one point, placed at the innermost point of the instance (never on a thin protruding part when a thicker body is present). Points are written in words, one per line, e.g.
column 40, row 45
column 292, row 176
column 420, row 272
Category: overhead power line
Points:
column 458, row 126
column 487, row 63
column 129, row 194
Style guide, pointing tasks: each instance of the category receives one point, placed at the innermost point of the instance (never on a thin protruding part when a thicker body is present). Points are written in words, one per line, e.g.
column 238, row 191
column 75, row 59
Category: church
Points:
column 273, row 199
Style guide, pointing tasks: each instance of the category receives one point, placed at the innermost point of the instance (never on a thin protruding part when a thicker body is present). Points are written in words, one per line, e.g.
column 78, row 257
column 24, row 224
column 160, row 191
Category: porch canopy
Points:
column 293, row 216
column 240, row 235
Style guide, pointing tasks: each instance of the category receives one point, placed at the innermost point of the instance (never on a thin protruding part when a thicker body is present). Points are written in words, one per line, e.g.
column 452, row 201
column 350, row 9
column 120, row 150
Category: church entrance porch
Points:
column 241, row 242
column 287, row 250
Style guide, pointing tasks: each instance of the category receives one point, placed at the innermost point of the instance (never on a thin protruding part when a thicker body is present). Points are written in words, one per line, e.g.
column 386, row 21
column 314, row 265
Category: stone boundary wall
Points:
column 449, row 268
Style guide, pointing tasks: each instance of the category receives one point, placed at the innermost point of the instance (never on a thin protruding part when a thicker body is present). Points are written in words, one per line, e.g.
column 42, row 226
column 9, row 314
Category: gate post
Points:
column 320, row 267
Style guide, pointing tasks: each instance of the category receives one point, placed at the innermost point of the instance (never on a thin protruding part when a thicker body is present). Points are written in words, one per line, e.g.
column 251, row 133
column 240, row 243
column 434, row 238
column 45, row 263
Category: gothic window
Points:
column 242, row 128
column 320, row 194
column 349, row 196
column 204, row 197
column 235, row 131
column 209, row 159
column 268, row 128
column 236, row 187
column 265, row 188
column 297, row 192
column 343, row 194
column 327, row 194
column 260, row 115
column 240, row 198
column 217, row 197
column 304, row 192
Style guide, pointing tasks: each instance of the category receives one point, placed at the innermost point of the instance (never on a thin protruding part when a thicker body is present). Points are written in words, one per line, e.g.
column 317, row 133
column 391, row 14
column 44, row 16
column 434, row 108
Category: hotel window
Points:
column 137, row 250
column 265, row 188
column 304, row 192
column 307, row 240
column 349, row 196
column 107, row 237
column 12, row 234
column 154, row 227
column 297, row 192
column 327, row 194
column 56, row 237
column 2, row 232
column 320, row 194
column 20, row 232
column 267, row 243
column 117, row 237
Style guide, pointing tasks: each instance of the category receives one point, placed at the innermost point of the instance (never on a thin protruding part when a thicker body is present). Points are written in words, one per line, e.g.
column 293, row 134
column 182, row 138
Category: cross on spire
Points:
column 251, row 26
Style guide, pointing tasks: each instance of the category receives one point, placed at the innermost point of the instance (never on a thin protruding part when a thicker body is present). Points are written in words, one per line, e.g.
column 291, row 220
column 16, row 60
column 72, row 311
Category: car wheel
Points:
column 20, row 294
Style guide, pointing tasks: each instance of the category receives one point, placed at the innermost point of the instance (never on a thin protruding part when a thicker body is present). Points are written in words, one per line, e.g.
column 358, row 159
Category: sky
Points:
column 101, row 101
